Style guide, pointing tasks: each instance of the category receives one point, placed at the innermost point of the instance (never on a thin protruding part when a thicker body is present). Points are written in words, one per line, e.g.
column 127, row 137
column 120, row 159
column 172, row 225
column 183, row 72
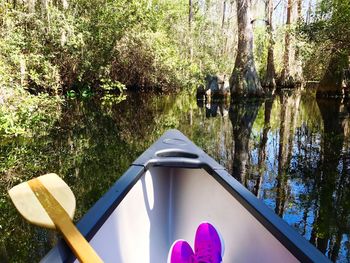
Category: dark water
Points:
column 292, row 151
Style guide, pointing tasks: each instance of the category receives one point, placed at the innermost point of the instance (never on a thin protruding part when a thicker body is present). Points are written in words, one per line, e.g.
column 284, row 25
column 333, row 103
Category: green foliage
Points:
column 329, row 37
column 260, row 49
column 71, row 94
column 103, row 47
column 330, row 24
column 24, row 114
column 95, row 47
column 141, row 44
column 155, row 64
column 109, row 98
column 109, row 85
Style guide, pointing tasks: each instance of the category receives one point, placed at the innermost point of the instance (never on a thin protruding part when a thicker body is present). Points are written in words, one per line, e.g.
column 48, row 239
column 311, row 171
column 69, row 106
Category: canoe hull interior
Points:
column 167, row 204
column 165, row 194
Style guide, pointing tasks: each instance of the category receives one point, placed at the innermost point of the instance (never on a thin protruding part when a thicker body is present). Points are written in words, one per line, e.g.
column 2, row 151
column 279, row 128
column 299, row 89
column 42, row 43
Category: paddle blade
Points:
column 31, row 209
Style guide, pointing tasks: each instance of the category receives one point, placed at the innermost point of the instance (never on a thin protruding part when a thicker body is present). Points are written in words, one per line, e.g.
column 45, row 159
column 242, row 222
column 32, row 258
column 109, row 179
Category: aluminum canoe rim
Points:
column 173, row 149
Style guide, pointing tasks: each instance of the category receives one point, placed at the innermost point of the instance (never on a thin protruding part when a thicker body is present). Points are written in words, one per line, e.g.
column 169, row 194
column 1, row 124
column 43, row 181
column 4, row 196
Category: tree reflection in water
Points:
column 308, row 181
column 291, row 151
column 289, row 103
column 242, row 116
column 332, row 180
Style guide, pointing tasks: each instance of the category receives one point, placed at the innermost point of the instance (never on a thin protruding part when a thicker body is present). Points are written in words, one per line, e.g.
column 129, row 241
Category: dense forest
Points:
column 51, row 48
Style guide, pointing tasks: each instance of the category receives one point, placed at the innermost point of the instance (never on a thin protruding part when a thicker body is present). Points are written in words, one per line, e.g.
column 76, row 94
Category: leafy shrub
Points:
column 147, row 59
column 25, row 114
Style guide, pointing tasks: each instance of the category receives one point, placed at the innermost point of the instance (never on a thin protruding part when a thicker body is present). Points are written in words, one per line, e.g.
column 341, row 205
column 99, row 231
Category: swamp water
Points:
column 292, row 151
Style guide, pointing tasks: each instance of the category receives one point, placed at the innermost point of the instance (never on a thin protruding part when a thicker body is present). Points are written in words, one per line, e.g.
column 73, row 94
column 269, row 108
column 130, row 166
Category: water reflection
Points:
column 332, row 179
column 289, row 103
column 242, row 116
column 262, row 146
column 291, row 151
column 214, row 108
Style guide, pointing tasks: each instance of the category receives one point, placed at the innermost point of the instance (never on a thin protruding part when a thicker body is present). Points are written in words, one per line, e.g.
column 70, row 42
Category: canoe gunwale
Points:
column 102, row 209
column 284, row 233
column 96, row 216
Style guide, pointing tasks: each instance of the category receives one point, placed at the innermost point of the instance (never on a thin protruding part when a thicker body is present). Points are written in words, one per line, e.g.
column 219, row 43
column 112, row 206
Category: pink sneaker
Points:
column 208, row 245
column 180, row 252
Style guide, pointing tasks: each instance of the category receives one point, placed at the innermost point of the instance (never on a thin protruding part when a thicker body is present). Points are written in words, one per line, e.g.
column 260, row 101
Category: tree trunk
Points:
column 224, row 43
column 44, row 6
column 223, row 15
column 298, row 66
column 285, row 75
column 308, row 14
column 244, row 80
column 299, row 8
column 31, row 6
column 291, row 75
column 270, row 67
column 190, row 18
column 190, row 14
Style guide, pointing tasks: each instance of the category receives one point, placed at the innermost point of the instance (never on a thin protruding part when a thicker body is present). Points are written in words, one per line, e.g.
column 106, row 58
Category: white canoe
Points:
column 165, row 194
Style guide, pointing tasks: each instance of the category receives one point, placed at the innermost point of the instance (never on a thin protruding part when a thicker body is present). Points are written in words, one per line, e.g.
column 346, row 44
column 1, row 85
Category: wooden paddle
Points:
column 47, row 201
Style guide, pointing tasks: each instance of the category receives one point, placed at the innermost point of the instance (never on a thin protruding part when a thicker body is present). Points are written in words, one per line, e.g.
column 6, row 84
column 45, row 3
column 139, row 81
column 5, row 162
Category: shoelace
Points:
column 206, row 255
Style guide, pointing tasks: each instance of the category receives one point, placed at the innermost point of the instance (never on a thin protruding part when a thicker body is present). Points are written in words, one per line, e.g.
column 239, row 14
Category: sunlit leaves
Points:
column 24, row 114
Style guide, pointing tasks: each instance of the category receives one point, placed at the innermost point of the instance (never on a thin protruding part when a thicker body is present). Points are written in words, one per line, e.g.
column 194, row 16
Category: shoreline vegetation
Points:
column 24, row 114
column 54, row 50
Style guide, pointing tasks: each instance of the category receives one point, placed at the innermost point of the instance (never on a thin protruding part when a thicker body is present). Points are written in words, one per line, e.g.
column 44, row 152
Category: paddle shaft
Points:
column 80, row 247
